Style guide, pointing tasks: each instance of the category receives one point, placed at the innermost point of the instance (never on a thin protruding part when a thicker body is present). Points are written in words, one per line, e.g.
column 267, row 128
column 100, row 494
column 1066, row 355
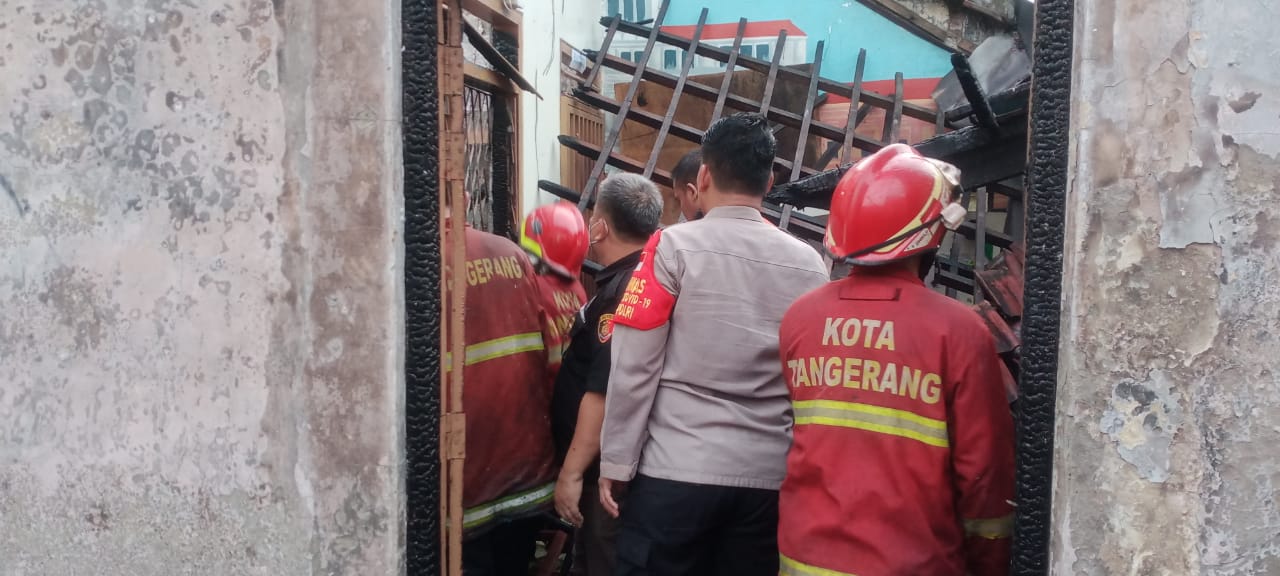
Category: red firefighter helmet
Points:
column 891, row 205
column 556, row 235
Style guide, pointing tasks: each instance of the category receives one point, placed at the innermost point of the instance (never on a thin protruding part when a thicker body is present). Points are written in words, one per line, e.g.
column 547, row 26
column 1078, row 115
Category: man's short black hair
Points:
column 738, row 150
column 686, row 170
column 632, row 206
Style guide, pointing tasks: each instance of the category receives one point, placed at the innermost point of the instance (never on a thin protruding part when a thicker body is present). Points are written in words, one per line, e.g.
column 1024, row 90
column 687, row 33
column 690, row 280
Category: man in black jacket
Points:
column 627, row 212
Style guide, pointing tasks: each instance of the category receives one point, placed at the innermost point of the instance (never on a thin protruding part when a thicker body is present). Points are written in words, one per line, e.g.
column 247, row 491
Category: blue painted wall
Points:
column 845, row 25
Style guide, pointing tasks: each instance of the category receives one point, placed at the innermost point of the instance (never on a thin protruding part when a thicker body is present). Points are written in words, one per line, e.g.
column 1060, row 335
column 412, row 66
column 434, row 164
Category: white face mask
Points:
column 591, row 233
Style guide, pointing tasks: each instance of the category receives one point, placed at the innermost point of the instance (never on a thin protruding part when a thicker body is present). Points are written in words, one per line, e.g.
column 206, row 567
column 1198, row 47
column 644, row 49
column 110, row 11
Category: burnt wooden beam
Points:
column 564, row 193
column 981, row 156
column 1003, row 103
column 751, row 63
column 974, row 93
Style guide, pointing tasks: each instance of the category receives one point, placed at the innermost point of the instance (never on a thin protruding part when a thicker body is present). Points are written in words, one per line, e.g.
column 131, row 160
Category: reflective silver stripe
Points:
column 989, row 528
column 872, row 419
column 511, row 504
column 499, row 348
column 791, row 567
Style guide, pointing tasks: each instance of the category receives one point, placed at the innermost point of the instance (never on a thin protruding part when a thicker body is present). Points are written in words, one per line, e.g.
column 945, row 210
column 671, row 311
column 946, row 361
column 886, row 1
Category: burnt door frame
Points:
column 1047, row 177
column 423, row 274
column 1046, row 185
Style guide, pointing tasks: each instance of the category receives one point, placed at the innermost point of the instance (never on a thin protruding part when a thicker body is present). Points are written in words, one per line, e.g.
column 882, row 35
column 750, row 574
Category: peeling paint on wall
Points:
column 1141, row 419
column 1169, row 395
column 201, row 204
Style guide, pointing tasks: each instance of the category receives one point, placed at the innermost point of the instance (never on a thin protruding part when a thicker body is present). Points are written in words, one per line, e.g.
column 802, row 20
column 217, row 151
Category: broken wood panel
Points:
column 690, row 135
column 1002, row 281
column 721, row 55
column 702, row 91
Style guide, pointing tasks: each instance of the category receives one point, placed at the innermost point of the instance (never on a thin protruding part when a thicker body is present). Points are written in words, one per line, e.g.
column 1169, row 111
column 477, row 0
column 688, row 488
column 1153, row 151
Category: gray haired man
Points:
column 628, row 211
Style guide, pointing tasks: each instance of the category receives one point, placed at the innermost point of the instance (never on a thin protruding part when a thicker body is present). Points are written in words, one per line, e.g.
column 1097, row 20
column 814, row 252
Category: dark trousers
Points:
column 679, row 529
column 595, row 546
column 504, row 550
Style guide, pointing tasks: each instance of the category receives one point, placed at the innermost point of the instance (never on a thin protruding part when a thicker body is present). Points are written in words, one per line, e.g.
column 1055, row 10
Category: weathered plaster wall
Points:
column 200, row 278
column 576, row 22
column 1169, row 400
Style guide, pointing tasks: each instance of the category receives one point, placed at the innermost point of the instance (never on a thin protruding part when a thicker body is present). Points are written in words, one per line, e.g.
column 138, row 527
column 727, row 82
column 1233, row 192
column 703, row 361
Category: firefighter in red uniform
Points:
column 902, row 460
column 509, row 476
column 555, row 236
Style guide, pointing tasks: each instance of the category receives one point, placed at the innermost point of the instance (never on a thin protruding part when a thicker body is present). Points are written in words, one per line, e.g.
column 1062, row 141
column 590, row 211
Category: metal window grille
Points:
column 478, row 118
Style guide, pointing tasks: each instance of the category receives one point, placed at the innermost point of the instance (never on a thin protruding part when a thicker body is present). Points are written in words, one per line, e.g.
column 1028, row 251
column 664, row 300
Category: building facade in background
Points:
column 845, row 26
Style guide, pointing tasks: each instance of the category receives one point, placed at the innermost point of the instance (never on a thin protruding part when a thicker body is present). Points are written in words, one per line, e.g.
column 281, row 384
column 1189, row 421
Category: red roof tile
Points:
column 729, row 30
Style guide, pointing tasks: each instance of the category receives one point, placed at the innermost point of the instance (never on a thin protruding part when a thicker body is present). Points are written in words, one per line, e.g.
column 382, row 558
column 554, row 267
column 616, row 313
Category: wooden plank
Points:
column 612, row 139
column 495, row 12
column 893, row 119
column 804, row 128
column 603, row 53
column 705, row 92
column 677, row 129
column 452, row 142
column 767, row 95
column 495, row 58
column 855, row 113
column 980, row 241
column 488, row 77
column 752, row 63
column 675, row 101
column 728, row 70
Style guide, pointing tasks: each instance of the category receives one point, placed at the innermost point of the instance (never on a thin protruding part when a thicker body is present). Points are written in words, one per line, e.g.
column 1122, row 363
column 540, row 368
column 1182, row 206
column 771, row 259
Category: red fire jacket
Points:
column 508, row 471
column 902, row 460
column 562, row 298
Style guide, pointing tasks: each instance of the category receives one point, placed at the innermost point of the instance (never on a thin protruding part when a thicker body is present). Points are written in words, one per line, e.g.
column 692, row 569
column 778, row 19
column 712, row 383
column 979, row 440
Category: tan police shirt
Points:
column 700, row 397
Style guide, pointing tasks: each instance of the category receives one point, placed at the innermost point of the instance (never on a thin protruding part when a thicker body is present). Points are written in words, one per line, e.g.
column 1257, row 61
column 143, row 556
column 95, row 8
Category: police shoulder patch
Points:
column 604, row 330
column 645, row 304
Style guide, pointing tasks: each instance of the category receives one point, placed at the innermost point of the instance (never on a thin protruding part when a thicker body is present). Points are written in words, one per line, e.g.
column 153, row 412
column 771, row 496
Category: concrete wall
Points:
column 200, row 276
column 1169, row 399
column 545, row 24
